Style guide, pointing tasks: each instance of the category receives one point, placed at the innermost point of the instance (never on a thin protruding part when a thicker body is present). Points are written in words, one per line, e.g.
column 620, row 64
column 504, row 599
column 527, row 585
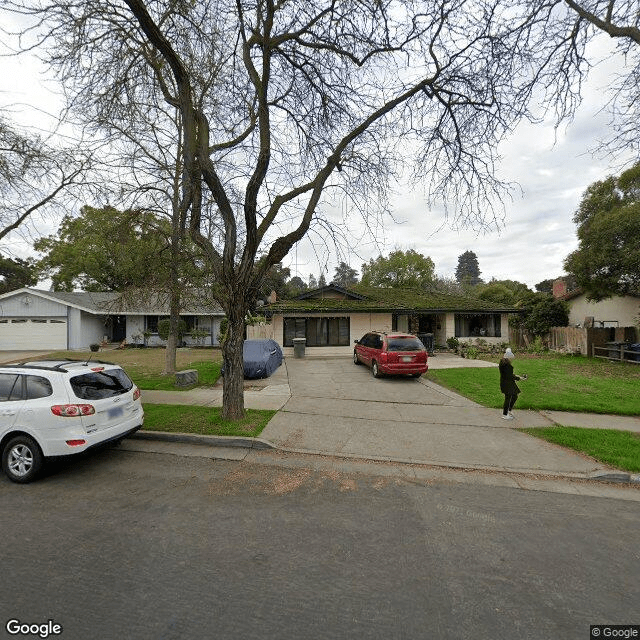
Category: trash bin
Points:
column 615, row 350
column 634, row 356
column 299, row 345
column 427, row 341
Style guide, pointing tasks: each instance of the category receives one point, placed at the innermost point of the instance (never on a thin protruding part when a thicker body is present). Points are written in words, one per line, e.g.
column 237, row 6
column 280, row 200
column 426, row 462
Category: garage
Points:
column 33, row 333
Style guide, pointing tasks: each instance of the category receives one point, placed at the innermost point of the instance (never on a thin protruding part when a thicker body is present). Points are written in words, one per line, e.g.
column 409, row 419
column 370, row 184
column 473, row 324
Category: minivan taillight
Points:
column 136, row 393
column 72, row 410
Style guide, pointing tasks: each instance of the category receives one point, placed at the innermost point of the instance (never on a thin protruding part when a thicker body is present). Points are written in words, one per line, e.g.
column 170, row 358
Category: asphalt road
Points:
column 130, row 545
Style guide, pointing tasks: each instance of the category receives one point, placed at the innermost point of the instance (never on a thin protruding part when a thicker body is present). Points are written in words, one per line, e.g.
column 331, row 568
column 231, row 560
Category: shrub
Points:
column 472, row 352
column 537, row 346
column 163, row 329
column 453, row 343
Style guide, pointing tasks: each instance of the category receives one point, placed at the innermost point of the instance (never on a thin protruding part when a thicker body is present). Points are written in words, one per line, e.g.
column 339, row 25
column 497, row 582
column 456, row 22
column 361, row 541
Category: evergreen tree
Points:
column 345, row 276
column 468, row 270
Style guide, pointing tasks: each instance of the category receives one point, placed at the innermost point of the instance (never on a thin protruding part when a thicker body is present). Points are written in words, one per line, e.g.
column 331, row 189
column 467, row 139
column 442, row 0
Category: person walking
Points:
column 508, row 384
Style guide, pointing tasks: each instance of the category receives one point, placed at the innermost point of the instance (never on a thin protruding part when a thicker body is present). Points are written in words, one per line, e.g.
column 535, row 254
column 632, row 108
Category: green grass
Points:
column 559, row 383
column 203, row 420
column 619, row 449
column 145, row 366
column 208, row 374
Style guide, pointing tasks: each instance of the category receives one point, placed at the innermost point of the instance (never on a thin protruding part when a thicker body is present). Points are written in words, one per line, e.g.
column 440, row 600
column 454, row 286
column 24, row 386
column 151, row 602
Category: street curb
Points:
column 189, row 438
column 618, row 477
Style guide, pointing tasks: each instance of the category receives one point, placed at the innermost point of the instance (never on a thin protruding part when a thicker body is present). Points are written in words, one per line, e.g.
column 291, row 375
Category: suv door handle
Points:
column 8, row 412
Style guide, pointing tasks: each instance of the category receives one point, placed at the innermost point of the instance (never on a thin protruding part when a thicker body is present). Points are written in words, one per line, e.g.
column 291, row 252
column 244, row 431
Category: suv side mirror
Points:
column 356, row 342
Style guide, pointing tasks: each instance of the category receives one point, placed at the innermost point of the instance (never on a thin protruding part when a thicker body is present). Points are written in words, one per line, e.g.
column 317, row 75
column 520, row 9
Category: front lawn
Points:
column 556, row 382
column 144, row 366
column 620, row 449
column 203, row 420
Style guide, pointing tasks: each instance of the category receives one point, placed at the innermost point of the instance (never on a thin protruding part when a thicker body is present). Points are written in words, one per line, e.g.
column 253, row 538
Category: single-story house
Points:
column 617, row 311
column 336, row 316
column 37, row 319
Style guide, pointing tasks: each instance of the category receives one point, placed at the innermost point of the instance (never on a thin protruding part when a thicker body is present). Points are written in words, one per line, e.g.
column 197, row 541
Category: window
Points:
column 38, row 387
column 197, row 323
column 294, row 328
column 10, row 387
column 151, row 324
column 319, row 332
column 404, row 344
column 101, row 384
column 486, row 325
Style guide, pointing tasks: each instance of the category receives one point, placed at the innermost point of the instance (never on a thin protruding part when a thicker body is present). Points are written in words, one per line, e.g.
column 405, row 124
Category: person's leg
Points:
column 512, row 401
column 505, row 406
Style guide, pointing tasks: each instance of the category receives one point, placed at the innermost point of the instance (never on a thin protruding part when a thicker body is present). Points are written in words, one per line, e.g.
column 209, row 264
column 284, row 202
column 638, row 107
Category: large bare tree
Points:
column 35, row 177
column 557, row 37
column 281, row 102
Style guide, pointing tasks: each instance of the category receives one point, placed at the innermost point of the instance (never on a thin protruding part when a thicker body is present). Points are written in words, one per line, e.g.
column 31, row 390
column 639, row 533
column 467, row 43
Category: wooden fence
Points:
column 590, row 342
column 619, row 352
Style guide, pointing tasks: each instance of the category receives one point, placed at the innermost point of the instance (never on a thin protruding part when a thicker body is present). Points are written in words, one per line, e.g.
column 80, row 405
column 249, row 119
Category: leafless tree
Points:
column 281, row 102
column 34, row 177
column 557, row 35
column 145, row 150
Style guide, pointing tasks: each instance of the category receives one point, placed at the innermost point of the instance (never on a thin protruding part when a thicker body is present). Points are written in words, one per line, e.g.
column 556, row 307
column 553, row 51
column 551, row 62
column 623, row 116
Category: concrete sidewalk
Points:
column 331, row 407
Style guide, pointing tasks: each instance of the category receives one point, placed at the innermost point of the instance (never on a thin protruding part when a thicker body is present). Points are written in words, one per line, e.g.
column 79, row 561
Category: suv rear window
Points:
column 101, row 384
column 404, row 344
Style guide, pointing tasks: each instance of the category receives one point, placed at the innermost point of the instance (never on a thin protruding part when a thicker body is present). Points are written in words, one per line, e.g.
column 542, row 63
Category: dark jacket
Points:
column 508, row 378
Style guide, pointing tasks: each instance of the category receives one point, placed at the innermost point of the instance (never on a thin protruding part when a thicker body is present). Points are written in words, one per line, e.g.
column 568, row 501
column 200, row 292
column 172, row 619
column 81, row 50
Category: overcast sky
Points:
column 552, row 168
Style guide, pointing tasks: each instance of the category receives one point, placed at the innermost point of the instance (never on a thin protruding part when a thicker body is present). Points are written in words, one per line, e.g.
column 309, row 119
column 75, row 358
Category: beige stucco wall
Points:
column 359, row 324
column 624, row 310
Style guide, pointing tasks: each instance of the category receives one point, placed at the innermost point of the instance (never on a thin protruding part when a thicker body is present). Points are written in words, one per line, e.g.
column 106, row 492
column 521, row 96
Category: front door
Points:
column 118, row 328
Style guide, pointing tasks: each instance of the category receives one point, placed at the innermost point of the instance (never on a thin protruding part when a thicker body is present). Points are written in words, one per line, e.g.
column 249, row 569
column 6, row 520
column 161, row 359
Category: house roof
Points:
column 359, row 298
column 109, row 302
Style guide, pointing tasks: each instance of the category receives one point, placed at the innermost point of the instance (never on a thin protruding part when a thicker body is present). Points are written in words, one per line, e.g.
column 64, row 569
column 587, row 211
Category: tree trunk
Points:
column 233, row 382
column 174, row 306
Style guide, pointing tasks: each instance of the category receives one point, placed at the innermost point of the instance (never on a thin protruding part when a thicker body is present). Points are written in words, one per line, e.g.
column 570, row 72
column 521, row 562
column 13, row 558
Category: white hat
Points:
column 509, row 354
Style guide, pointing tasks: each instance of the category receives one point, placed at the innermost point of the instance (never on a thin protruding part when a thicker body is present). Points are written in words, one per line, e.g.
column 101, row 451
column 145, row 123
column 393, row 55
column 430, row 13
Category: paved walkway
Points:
column 330, row 406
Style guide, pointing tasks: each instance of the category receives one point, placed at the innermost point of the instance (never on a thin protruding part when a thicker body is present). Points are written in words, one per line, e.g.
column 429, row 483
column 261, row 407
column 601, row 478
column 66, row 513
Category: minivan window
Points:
column 38, row 387
column 404, row 344
column 101, row 384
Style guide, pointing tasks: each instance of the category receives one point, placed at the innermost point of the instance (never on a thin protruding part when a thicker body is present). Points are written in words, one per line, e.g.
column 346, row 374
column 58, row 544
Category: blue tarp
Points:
column 261, row 358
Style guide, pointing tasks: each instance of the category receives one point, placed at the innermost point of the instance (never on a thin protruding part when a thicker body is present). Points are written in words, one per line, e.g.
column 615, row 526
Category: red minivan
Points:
column 391, row 354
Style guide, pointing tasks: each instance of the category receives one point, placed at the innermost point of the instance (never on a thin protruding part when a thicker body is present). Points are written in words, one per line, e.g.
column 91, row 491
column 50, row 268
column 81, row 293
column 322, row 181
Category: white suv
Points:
column 62, row 407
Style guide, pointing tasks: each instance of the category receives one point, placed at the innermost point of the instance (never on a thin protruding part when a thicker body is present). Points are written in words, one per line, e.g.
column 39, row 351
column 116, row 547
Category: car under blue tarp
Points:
column 261, row 358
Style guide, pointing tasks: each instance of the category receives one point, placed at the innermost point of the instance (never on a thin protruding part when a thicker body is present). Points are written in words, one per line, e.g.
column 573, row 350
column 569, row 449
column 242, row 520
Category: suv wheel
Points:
column 355, row 358
column 375, row 370
column 22, row 459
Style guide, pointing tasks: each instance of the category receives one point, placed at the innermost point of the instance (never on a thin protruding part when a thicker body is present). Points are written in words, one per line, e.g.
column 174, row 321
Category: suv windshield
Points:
column 404, row 344
column 101, row 384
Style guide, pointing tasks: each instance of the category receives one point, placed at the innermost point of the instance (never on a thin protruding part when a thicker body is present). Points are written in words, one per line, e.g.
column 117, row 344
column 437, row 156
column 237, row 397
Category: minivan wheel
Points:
column 375, row 370
column 22, row 459
column 355, row 358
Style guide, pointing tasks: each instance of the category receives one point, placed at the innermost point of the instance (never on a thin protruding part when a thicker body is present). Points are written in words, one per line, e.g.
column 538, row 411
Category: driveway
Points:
column 338, row 408
column 7, row 357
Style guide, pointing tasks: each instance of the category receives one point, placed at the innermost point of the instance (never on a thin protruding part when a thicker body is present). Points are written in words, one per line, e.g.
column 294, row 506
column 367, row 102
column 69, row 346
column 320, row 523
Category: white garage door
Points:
column 32, row 333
